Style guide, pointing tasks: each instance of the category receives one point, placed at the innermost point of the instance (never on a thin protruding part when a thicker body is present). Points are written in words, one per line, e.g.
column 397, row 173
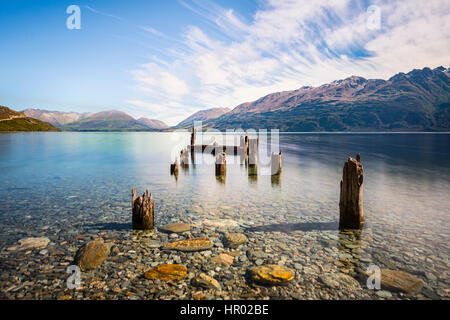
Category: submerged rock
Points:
column 384, row 294
column 397, row 281
column 221, row 223
column 271, row 274
column 177, row 227
column 205, row 281
column 234, row 240
column 174, row 272
column 224, row 259
column 29, row 243
column 194, row 244
column 92, row 254
column 339, row 280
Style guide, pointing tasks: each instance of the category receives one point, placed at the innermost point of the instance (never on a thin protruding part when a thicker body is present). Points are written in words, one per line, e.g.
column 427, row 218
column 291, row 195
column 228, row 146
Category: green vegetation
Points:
column 11, row 121
column 25, row 124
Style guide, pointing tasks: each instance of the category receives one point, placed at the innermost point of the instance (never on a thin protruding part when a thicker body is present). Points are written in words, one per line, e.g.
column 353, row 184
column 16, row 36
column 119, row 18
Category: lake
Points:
column 72, row 187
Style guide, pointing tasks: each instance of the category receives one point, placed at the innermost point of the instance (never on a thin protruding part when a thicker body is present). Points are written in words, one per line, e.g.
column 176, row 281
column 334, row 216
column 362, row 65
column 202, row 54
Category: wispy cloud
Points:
column 288, row 44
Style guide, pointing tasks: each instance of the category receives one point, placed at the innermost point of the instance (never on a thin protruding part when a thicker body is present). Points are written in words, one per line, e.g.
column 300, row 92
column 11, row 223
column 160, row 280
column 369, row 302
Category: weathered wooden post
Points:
column 275, row 164
column 252, row 157
column 193, row 136
column 143, row 211
column 221, row 163
column 193, row 158
column 246, row 143
column 174, row 168
column 351, row 198
column 275, row 180
column 242, row 150
column 184, row 158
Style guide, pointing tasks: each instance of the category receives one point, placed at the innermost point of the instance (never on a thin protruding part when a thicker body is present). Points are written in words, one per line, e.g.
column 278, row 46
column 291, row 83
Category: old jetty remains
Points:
column 193, row 134
column 213, row 149
column 252, row 157
column 221, row 163
column 184, row 158
column 351, row 213
column 275, row 164
column 174, row 168
column 247, row 150
column 143, row 211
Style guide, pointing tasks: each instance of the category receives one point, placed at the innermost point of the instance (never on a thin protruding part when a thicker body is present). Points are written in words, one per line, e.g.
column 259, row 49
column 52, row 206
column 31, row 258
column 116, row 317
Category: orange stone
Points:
column 271, row 274
column 223, row 258
column 174, row 272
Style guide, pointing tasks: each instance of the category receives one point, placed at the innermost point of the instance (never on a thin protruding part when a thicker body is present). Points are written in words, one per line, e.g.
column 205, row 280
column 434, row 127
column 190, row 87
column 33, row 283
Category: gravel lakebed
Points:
column 321, row 262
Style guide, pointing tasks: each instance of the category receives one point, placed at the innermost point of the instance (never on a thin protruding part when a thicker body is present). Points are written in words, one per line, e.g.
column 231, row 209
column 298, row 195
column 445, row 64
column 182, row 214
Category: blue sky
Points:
column 168, row 59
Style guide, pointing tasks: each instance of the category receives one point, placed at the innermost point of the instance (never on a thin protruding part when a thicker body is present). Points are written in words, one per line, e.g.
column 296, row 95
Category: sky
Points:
column 168, row 59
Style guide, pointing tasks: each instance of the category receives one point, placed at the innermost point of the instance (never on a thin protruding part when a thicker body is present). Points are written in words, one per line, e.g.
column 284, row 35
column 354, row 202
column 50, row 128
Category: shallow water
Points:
column 61, row 185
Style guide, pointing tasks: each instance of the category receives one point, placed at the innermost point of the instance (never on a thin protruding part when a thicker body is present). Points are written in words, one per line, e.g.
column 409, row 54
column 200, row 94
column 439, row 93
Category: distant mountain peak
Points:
column 153, row 123
column 111, row 115
column 204, row 115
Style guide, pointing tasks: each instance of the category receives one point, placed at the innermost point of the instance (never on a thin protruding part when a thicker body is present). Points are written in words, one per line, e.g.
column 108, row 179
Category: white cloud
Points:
column 289, row 44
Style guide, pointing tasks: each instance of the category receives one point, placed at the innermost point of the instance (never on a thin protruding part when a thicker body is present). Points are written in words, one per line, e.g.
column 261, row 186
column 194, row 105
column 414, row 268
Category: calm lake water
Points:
column 64, row 184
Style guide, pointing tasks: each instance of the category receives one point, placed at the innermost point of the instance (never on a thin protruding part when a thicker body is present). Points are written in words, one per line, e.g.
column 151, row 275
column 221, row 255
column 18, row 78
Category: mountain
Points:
column 416, row 101
column 111, row 120
column 153, row 123
column 11, row 120
column 56, row 118
column 203, row 115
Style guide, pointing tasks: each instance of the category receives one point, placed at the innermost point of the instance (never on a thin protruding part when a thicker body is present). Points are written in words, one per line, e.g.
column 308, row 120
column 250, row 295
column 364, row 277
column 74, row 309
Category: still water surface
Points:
column 82, row 181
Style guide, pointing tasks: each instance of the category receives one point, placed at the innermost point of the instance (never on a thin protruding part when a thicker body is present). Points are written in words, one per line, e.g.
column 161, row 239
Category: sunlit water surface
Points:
column 82, row 182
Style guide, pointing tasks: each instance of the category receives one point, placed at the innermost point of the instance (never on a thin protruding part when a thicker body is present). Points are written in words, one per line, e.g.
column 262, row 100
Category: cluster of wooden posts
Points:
column 247, row 149
column 351, row 213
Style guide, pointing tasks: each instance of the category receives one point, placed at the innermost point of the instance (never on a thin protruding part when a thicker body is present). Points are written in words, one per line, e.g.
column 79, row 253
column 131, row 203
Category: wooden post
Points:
column 193, row 158
column 184, row 158
column 252, row 156
column 174, row 168
column 143, row 211
column 221, row 163
column 276, row 163
column 246, row 143
column 351, row 198
column 193, row 136
column 275, row 180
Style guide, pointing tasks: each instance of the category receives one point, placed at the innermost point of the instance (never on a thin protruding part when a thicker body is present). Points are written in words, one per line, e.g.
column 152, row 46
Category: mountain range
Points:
column 111, row 120
column 416, row 101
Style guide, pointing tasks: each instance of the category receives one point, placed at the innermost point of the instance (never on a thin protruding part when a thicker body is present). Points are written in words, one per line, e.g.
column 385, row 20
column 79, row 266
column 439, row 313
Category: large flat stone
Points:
column 174, row 272
column 194, row 244
column 29, row 243
column 339, row 280
column 221, row 223
column 176, row 227
column 396, row 280
column 204, row 281
column 234, row 240
column 224, row 259
column 271, row 274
